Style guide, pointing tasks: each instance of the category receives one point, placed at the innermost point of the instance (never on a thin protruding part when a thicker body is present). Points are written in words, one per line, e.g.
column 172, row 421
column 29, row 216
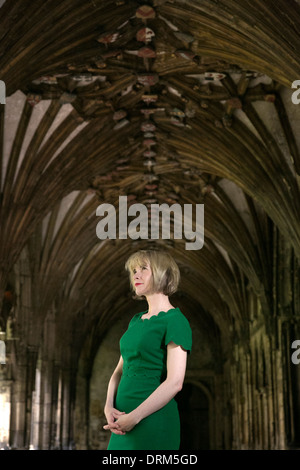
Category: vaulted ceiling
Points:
column 161, row 101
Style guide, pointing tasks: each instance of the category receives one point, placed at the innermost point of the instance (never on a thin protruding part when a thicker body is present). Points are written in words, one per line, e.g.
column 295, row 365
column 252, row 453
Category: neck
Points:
column 158, row 303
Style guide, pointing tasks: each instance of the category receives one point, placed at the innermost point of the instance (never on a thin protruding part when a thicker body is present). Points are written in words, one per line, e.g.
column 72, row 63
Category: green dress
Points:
column 144, row 351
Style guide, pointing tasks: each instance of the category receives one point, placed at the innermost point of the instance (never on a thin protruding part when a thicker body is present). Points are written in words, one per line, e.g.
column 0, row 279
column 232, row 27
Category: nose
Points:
column 137, row 274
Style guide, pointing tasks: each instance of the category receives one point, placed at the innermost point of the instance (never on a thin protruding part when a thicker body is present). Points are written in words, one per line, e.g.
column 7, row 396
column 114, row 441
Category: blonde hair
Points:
column 165, row 272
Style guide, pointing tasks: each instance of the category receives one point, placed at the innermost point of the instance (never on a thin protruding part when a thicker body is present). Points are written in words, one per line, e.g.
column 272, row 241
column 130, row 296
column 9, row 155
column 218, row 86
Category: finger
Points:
column 117, row 413
column 115, row 430
column 111, row 426
column 114, row 425
column 118, row 432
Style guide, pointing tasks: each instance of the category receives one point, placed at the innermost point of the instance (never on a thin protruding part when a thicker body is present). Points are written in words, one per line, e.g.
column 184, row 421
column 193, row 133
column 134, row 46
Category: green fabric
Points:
column 144, row 351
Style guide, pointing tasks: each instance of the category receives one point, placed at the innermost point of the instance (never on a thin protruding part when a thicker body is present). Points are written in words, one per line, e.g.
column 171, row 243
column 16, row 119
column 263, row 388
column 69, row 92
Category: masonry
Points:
column 172, row 104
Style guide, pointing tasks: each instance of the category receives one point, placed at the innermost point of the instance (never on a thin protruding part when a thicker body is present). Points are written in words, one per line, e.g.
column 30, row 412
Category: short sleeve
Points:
column 179, row 331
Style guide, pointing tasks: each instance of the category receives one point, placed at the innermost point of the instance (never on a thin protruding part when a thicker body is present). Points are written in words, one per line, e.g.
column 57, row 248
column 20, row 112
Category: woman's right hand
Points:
column 112, row 414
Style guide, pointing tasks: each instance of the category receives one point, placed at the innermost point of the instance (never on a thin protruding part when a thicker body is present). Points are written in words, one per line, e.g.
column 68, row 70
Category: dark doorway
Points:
column 193, row 407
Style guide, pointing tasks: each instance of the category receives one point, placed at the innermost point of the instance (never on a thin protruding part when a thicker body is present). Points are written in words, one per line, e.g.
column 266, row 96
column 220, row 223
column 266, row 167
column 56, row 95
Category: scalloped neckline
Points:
column 159, row 313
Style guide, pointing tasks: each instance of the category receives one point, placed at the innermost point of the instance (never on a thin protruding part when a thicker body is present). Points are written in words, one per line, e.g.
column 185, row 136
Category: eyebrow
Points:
column 142, row 265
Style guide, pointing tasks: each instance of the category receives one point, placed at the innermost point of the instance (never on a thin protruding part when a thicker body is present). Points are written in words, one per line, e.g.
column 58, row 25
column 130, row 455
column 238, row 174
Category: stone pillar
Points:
column 18, row 413
column 81, row 418
column 57, row 413
column 45, row 406
column 66, row 408
column 22, row 388
column 54, row 405
column 35, row 414
column 280, row 412
column 5, row 408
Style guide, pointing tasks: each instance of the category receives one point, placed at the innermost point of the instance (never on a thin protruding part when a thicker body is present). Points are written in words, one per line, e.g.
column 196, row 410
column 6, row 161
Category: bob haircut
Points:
column 165, row 272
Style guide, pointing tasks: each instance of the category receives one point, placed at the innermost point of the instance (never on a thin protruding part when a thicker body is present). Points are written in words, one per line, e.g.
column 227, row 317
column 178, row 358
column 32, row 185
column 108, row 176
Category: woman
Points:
column 140, row 408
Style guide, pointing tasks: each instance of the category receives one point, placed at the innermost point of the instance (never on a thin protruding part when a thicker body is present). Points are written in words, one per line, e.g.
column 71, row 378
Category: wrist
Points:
column 135, row 416
column 107, row 407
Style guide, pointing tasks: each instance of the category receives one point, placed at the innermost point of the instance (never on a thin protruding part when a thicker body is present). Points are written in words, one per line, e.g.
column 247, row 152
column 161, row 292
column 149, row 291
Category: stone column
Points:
column 22, row 388
column 5, row 408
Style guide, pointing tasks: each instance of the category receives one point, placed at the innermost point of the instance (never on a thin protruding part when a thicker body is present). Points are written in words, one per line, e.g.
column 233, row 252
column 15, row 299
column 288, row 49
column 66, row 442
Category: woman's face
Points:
column 142, row 279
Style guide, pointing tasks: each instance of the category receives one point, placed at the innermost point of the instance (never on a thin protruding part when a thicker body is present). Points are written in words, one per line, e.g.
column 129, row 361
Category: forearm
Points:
column 157, row 400
column 112, row 389
column 111, row 413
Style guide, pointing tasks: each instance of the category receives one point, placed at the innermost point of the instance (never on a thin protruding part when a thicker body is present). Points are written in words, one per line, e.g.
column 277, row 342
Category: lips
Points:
column 138, row 284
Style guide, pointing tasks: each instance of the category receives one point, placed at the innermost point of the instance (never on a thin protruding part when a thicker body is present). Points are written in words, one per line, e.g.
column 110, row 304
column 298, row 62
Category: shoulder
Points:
column 176, row 314
column 178, row 330
column 177, row 319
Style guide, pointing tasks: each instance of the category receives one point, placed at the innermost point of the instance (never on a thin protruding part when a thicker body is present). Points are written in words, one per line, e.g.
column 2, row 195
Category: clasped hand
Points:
column 119, row 422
